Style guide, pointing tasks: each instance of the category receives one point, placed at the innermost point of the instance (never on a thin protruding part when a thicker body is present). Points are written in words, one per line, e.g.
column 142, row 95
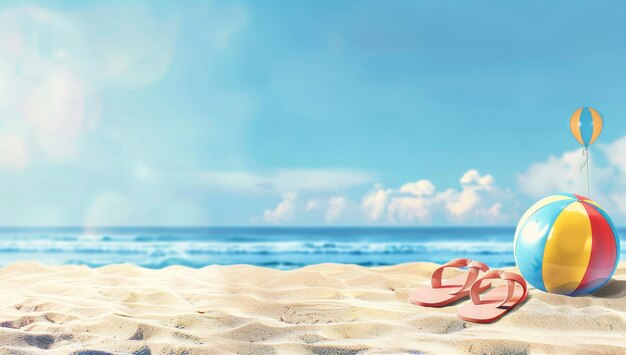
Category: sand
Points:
column 321, row 309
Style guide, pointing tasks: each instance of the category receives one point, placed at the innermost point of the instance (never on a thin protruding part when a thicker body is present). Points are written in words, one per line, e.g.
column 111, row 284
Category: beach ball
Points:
column 566, row 244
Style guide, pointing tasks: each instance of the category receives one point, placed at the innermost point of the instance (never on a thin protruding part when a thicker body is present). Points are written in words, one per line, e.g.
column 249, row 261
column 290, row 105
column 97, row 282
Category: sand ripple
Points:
column 320, row 309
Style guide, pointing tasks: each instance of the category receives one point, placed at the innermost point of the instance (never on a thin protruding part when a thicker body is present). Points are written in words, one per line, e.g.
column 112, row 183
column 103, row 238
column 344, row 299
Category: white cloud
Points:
column 418, row 188
column 463, row 203
column 375, row 202
column 563, row 174
column 494, row 212
column 472, row 178
column 297, row 208
column 320, row 192
column 284, row 211
column 460, row 203
column 479, row 201
column 559, row 174
column 312, row 204
column 618, row 200
column 336, row 207
column 409, row 209
column 615, row 154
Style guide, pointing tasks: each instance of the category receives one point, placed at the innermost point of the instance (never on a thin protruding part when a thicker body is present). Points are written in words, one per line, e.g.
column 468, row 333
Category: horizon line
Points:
column 249, row 226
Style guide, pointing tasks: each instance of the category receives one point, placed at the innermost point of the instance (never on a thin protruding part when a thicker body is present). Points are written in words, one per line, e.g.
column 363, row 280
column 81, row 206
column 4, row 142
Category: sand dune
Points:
column 321, row 309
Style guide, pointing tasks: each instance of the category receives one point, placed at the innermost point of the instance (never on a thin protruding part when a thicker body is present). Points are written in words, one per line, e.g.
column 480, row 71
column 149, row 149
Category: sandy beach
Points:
column 320, row 309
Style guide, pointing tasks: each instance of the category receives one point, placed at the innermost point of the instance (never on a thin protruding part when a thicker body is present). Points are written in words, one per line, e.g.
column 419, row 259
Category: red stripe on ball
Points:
column 603, row 254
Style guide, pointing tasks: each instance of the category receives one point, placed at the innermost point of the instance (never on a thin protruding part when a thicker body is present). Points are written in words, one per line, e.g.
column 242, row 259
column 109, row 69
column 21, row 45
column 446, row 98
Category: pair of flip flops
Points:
column 484, row 308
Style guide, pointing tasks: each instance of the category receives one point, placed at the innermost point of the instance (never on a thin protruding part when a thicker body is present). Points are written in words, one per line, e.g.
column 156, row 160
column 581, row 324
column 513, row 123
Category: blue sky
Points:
column 304, row 113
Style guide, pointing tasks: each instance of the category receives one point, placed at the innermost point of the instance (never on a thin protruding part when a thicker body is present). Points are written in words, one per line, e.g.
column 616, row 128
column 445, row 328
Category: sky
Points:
column 304, row 113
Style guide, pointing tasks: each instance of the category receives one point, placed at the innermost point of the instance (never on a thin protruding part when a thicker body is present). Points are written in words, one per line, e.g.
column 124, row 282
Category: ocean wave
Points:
column 326, row 247
column 277, row 247
column 286, row 251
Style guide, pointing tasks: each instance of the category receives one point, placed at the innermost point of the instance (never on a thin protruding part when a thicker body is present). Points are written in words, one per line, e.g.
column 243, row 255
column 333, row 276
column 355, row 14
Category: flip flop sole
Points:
column 488, row 311
column 439, row 297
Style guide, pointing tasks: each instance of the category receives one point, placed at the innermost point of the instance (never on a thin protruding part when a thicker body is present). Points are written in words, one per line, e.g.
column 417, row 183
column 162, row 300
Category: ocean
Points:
column 282, row 248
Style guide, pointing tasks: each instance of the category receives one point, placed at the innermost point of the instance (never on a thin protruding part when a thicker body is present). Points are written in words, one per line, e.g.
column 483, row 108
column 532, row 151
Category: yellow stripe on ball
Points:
column 568, row 250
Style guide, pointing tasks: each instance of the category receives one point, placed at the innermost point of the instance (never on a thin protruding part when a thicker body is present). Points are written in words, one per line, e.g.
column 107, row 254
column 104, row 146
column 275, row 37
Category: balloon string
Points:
column 585, row 165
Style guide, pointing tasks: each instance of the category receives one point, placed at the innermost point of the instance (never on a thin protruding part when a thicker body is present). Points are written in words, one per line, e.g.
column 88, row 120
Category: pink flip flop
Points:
column 443, row 293
column 495, row 303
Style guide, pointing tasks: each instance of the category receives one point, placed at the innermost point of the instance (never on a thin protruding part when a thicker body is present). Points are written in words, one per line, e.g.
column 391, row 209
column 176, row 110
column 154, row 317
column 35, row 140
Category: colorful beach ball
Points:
column 566, row 244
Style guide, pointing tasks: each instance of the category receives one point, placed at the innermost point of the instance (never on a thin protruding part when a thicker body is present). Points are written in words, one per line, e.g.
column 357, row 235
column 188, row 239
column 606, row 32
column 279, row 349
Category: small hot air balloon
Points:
column 586, row 125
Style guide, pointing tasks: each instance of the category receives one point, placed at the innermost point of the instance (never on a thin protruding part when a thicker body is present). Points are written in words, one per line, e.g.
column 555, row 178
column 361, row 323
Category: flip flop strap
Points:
column 474, row 267
column 510, row 278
